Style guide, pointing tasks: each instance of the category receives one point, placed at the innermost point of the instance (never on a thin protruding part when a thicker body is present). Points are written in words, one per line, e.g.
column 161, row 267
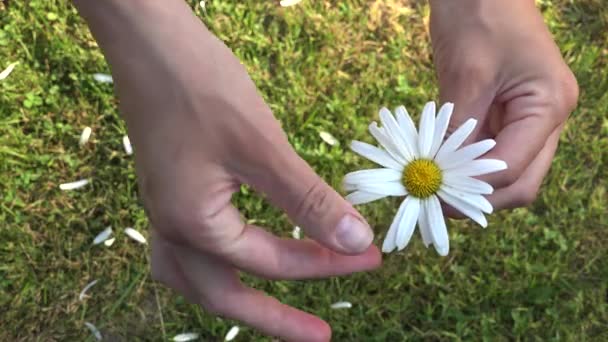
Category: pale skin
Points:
column 200, row 129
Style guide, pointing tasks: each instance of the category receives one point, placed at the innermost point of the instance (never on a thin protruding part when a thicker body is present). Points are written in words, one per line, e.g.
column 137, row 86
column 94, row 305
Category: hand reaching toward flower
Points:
column 200, row 129
column 496, row 61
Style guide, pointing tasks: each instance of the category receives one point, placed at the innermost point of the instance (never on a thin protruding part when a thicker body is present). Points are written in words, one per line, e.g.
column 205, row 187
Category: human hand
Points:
column 200, row 130
column 496, row 60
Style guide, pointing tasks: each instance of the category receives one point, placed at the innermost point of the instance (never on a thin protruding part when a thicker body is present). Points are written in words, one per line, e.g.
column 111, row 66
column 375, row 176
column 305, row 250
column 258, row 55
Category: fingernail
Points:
column 353, row 235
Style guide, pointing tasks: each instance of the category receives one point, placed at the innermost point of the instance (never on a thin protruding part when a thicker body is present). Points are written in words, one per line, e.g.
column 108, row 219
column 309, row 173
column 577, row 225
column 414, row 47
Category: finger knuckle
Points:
column 570, row 92
column 316, row 201
column 214, row 306
column 526, row 196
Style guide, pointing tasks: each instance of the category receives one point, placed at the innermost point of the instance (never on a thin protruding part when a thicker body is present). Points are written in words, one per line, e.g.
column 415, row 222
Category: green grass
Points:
column 539, row 273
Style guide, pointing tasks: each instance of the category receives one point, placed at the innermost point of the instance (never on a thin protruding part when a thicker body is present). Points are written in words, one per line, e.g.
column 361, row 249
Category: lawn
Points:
column 537, row 273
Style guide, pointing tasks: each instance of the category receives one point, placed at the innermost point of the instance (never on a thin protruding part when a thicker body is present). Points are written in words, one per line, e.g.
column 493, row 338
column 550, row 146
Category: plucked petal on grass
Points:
column 94, row 330
column 427, row 130
column 408, row 222
column 382, row 138
column 109, row 242
column 385, row 188
column 342, row 305
column 479, row 167
column 467, row 184
column 441, row 126
column 456, row 139
column 439, row 231
column 465, row 154
column 466, row 209
column 102, row 236
column 9, row 69
column 361, row 197
column 328, row 138
column 408, row 128
column 375, row 154
column 287, row 3
column 74, row 185
column 296, row 233
column 474, row 200
column 103, row 78
column 135, row 235
column 126, row 143
column 185, row 337
column 86, row 288
column 372, row 176
column 232, row 333
column 85, row 135
column 393, row 131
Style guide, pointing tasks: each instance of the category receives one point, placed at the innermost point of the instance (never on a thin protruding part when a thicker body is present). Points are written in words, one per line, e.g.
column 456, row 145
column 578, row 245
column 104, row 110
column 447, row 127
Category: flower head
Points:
column 424, row 168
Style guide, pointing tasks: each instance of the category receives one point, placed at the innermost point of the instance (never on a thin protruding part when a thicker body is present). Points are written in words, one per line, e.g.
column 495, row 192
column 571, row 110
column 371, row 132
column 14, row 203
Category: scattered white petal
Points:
column 287, row 3
column 185, row 337
column 74, row 185
column 232, row 333
column 296, row 233
column 127, row 145
column 109, row 242
column 135, row 235
column 85, row 135
column 103, row 236
column 86, row 288
column 103, row 78
column 328, row 138
column 341, row 305
column 4, row 74
column 94, row 330
column 202, row 4
column 361, row 197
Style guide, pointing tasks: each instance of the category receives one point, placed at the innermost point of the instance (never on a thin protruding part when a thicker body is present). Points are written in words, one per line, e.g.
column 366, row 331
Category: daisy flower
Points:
column 424, row 168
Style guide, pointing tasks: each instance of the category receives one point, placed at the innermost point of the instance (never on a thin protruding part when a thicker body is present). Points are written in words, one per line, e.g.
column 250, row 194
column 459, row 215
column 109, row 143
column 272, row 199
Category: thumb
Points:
column 323, row 214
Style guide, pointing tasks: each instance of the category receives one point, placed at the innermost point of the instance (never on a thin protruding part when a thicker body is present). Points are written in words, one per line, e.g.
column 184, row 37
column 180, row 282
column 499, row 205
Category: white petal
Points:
column 467, row 184
column 85, row 135
column 103, row 78
column 372, row 176
column 385, row 141
column 103, row 236
column 126, row 143
column 457, row 138
column 441, row 126
column 466, row 209
column 390, row 240
column 341, row 305
column 393, row 131
column 86, row 288
column 328, row 138
column 386, row 188
column 474, row 200
column 135, row 235
column 408, row 128
column 375, row 154
column 439, row 232
column 423, row 225
column 109, row 242
column 202, row 4
column 361, row 197
column 232, row 333
column 74, row 185
column 408, row 222
column 478, row 167
column 296, row 233
column 465, row 154
column 94, row 330
column 287, row 3
column 185, row 337
column 4, row 74
column 427, row 130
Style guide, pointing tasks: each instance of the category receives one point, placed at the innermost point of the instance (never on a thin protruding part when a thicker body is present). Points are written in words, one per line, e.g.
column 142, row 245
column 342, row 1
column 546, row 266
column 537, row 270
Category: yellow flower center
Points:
column 422, row 178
